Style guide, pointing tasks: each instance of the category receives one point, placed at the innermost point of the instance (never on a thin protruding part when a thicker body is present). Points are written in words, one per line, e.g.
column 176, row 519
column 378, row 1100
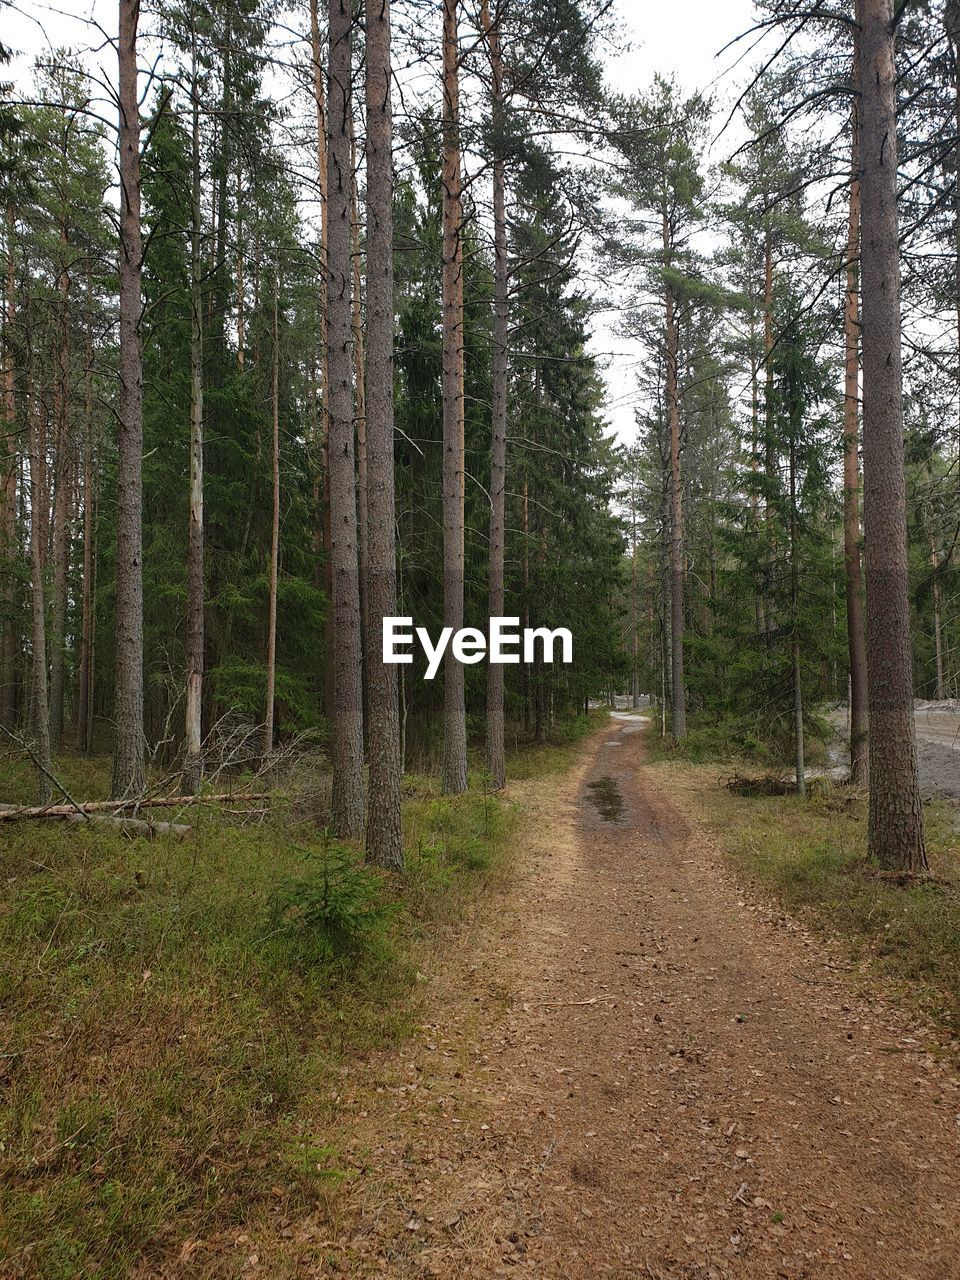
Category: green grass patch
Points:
column 811, row 855
column 176, row 1018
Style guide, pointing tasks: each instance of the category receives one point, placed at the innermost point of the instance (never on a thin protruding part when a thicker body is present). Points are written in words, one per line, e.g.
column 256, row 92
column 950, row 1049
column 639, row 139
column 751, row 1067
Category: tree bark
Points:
column 951, row 23
column 454, row 709
column 346, row 729
column 941, row 683
column 895, row 828
column 41, row 714
column 359, row 376
column 275, row 524
column 856, row 642
column 384, row 832
column 63, row 473
column 769, row 442
column 496, row 757
column 678, row 703
column 799, row 761
column 85, row 699
column 192, row 767
column 322, row 491
column 128, row 774
column 8, row 492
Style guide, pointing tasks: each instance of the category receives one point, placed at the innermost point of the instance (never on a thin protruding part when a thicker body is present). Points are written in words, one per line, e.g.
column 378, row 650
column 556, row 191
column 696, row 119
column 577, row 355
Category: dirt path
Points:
column 637, row 1073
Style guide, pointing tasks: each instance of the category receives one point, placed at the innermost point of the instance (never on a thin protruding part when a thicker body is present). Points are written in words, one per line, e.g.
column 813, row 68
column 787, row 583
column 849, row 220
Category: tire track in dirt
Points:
column 637, row 1072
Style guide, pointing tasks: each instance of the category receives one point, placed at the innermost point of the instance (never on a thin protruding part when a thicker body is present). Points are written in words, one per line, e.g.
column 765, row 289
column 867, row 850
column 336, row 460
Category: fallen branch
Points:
column 121, row 806
column 41, row 768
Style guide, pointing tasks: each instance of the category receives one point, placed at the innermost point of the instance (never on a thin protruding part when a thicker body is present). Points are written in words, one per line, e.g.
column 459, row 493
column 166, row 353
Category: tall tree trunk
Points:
column 769, row 446
column 856, row 641
column 895, row 829
column 346, row 729
column 384, row 834
column 678, row 703
column 192, row 765
column 496, row 758
column 634, row 631
column 360, row 410
column 951, row 23
column 128, row 774
column 322, row 498
column 359, row 377
column 241, row 276
column 8, row 492
column 941, row 686
column 62, row 494
column 799, row 761
column 666, row 612
column 275, row 525
column 525, row 601
column 85, row 699
column 454, row 710
column 41, row 714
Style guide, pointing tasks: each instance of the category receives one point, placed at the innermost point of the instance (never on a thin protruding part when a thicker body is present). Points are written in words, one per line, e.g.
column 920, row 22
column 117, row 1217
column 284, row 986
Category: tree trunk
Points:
column 634, row 631
column 454, row 710
column 192, row 766
column 769, row 446
column 241, row 274
column 359, row 377
column 275, row 524
column 384, row 833
column 85, row 699
column 8, row 494
column 346, row 729
column 322, row 499
column 951, row 23
column 856, row 642
column 496, row 758
column 795, row 617
column 128, row 775
column 678, row 705
column 895, row 830
column 41, row 715
column 525, row 602
column 941, row 686
column 62, row 493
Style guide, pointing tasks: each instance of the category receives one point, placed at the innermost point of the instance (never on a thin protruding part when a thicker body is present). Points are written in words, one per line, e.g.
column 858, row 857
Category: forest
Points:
column 320, row 314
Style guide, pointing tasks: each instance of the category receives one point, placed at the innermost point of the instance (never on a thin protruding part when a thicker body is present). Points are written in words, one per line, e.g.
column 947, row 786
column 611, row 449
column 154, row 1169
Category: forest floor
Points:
column 633, row 1068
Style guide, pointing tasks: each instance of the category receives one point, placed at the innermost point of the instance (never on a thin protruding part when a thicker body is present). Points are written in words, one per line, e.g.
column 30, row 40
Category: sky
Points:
column 681, row 38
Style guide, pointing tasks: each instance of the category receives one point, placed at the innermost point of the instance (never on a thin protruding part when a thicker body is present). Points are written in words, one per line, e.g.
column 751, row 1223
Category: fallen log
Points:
column 120, row 807
column 136, row 826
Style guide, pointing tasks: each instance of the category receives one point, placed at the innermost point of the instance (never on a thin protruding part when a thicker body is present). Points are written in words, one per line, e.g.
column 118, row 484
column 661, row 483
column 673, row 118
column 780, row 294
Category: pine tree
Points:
column 128, row 772
column 895, row 831
column 384, row 833
column 347, row 726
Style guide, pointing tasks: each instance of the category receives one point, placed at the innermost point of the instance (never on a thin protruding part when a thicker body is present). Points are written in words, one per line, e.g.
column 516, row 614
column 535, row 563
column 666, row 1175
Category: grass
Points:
column 176, row 1018
column 811, row 857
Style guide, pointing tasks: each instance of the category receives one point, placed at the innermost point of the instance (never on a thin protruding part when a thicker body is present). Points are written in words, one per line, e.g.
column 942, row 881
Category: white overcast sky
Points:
column 681, row 38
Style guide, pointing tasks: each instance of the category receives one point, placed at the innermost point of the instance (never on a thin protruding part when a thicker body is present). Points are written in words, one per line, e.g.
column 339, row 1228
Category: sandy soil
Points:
column 635, row 1071
column 938, row 748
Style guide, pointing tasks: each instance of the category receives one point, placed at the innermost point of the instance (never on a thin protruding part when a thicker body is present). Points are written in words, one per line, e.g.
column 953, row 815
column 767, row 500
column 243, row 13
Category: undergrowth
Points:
column 726, row 741
column 176, row 1018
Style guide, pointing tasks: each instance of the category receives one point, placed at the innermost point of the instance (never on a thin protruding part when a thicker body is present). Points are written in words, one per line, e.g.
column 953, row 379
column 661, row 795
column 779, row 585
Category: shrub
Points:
column 341, row 903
